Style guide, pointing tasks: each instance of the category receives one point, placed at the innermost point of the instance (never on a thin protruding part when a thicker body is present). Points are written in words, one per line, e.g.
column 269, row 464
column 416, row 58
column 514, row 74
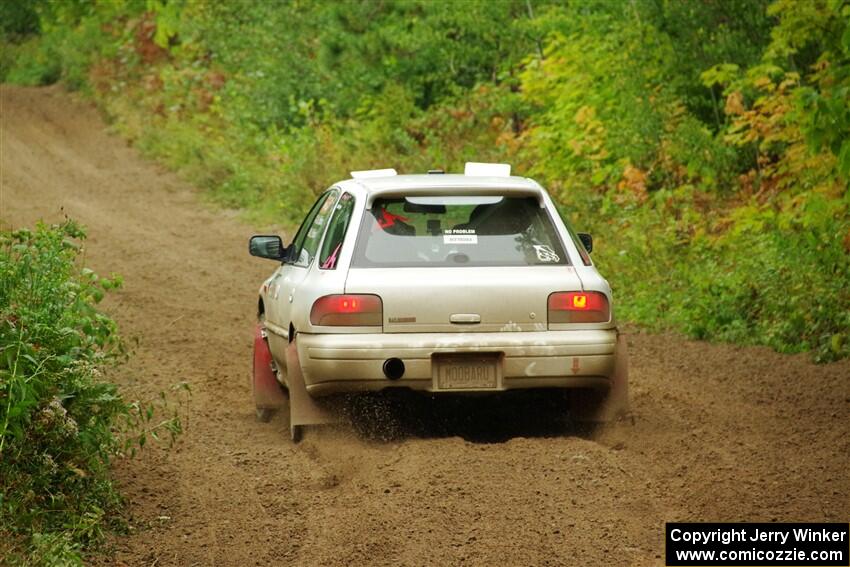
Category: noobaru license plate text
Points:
column 467, row 373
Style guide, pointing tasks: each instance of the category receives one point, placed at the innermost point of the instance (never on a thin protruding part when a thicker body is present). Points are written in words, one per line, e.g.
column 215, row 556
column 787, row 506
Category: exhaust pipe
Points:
column 393, row 368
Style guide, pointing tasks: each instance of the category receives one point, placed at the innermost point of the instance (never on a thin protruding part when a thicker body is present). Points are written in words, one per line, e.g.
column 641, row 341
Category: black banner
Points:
column 763, row 545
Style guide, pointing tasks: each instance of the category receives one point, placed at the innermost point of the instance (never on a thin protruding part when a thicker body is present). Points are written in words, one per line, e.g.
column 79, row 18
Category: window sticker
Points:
column 460, row 236
column 545, row 253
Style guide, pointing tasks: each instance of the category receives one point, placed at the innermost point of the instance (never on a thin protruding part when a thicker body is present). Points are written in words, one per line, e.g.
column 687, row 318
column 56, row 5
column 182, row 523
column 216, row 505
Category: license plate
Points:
column 466, row 372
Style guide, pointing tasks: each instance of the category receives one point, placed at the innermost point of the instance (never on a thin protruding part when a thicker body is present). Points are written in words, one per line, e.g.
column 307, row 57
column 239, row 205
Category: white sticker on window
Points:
column 545, row 253
column 460, row 236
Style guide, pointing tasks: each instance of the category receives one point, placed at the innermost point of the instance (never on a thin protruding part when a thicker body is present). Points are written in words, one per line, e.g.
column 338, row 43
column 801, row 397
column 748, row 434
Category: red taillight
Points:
column 579, row 307
column 347, row 311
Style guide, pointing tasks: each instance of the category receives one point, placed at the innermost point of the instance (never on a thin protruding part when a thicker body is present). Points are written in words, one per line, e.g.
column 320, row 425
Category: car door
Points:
column 284, row 287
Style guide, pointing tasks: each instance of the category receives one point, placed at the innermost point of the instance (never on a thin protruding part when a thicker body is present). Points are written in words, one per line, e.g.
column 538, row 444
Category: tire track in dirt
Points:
column 720, row 432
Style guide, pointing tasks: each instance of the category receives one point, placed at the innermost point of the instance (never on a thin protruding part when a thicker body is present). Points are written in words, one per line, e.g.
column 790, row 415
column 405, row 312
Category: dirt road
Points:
column 719, row 432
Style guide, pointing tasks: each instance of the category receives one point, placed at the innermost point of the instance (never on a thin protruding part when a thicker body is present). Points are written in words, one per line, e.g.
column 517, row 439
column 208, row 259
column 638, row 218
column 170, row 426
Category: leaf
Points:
column 722, row 74
column 844, row 159
column 845, row 38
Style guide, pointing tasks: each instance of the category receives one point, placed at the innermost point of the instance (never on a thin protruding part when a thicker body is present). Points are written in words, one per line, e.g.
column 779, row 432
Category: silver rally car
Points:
column 440, row 283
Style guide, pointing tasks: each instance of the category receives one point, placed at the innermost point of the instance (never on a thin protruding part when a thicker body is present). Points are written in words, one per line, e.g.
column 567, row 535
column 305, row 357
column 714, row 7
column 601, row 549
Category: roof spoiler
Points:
column 476, row 169
column 448, row 190
column 371, row 173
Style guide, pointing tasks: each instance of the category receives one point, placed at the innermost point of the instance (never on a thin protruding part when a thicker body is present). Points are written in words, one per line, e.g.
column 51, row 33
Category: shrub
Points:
column 60, row 421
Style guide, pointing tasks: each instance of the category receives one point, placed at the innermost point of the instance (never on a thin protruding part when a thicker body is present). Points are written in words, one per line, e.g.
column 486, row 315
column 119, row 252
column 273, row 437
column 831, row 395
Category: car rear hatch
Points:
column 460, row 263
column 461, row 299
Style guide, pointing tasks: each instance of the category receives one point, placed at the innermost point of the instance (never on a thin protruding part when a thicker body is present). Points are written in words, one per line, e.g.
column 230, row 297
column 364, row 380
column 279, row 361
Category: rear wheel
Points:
column 604, row 406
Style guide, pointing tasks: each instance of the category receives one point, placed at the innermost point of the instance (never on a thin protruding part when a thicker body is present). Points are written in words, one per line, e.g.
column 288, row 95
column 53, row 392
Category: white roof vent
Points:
column 371, row 173
column 475, row 169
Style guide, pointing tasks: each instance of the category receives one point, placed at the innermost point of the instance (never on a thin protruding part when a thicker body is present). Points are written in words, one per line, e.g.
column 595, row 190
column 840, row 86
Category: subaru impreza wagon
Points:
column 440, row 283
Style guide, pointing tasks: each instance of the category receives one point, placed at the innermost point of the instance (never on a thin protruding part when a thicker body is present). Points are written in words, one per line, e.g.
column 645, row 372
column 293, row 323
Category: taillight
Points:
column 579, row 307
column 347, row 311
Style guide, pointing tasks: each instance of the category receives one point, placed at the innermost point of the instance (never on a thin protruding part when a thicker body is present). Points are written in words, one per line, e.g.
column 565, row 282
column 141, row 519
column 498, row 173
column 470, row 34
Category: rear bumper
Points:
column 340, row 363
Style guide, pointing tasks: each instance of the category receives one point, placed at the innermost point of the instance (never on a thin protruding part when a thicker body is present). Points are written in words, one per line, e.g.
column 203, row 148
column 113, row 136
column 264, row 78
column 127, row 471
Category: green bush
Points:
column 60, row 421
column 783, row 288
column 33, row 64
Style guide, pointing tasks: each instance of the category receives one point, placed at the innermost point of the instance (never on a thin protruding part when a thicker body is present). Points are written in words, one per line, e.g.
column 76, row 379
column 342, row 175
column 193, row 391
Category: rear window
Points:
column 457, row 231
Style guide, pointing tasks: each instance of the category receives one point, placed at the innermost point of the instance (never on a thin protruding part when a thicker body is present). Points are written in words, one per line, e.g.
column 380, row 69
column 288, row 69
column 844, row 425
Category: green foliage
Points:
column 75, row 35
column 60, row 420
column 332, row 55
column 28, row 63
column 19, row 19
column 763, row 282
column 705, row 35
column 707, row 144
column 740, row 235
column 824, row 104
column 613, row 92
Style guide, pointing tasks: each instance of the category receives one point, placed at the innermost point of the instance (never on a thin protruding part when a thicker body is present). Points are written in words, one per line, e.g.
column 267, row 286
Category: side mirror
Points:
column 270, row 247
column 587, row 241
